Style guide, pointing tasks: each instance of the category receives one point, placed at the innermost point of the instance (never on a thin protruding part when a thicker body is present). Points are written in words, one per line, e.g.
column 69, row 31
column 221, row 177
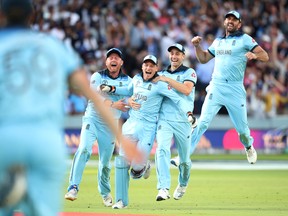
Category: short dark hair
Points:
column 17, row 12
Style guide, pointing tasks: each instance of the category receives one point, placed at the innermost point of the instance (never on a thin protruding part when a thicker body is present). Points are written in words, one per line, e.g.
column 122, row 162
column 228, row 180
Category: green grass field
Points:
column 210, row 193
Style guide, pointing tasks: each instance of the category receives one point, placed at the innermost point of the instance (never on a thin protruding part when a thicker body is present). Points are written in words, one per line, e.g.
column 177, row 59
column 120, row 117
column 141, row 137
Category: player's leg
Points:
column 182, row 137
column 106, row 145
column 45, row 175
column 121, row 182
column 42, row 155
column 162, row 159
column 13, row 188
column 146, row 132
column 10, row 196
column 237, row 110
column 82, row 155
column 212, row 104
column 122, row 167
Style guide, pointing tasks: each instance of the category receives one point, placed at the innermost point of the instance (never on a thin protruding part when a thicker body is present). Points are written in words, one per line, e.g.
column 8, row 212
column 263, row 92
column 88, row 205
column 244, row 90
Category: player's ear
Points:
column 239, row 25
column 2, row 19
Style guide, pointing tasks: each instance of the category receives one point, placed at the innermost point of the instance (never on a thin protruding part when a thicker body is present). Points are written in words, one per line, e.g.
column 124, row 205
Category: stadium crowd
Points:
column 147, row 26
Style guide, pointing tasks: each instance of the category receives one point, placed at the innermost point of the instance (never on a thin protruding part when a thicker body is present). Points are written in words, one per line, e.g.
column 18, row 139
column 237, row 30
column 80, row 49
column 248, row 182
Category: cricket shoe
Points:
column 72, row 193
column 175, row 161
column 13, row 186
column 108, row 200
column 163, row 194
column 179, row 192
column 147, row 170
column 251, row 155
column 119, row 205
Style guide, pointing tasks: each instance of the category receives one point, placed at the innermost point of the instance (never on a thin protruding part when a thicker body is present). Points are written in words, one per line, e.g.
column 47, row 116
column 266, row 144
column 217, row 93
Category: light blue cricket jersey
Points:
column 103, row 77
column 34, row 69
column 230, row 59
column 150, row 95
column 169, row 110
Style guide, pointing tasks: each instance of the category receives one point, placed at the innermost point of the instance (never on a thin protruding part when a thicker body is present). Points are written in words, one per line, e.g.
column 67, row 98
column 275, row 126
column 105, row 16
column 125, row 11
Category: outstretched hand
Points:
column 107, row 88
column 196, row 41
column 250, row 55
column 121, row 105
column 192, row 120
column 132, row 153
column 133, row 104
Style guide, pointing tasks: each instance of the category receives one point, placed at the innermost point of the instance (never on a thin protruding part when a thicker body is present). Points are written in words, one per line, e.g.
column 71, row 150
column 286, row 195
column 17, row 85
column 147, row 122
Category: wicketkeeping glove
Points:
column 192, row 119
column 107, row 88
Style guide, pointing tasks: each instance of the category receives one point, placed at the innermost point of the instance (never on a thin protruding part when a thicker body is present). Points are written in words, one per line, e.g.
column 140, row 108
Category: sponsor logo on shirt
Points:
column 224, row 52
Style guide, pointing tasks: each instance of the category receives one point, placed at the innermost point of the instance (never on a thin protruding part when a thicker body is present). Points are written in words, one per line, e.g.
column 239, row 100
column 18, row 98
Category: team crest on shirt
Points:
column 104, row 82
column 234, row 42
column 178, row 78
column 138, row 83
column 120, row 84
column 220, row 41
column 210, row 96
column 149, row 87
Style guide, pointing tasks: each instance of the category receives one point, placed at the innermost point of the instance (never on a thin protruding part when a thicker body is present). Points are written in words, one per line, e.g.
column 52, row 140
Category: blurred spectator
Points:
column 272, row 97
column 204, row 74
column 142, row 26
column 276, row 140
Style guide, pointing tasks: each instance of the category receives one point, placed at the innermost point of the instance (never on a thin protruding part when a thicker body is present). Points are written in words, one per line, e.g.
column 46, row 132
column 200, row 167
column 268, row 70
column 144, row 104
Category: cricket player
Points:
column 95, row 129
column 172, row 124
column 141, row 126
column 35, row 69
column 231, row 53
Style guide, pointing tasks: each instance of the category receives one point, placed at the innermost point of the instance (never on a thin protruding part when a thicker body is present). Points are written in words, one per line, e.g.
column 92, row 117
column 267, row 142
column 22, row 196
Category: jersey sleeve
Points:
column 190, row 75
column 125, row 90
column 211, row 49
column 165, row 91
column 95, row 81
column 249, row 42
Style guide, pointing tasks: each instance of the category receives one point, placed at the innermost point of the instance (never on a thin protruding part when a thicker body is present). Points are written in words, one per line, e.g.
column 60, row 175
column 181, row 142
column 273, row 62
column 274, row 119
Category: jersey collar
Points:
column 119, row 75
column 235, row 34
column 149, row 80
column 179, row 69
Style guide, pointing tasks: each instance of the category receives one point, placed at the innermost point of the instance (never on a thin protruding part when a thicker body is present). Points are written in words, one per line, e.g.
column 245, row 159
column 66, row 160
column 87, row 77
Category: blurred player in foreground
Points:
column 34, row 72
column 231, row 52
column 141, row 126
column 94, row 129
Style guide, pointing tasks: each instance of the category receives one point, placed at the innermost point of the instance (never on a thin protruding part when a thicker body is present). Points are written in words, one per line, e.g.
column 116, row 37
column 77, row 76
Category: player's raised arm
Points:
column 202, row 56
column 259, row 54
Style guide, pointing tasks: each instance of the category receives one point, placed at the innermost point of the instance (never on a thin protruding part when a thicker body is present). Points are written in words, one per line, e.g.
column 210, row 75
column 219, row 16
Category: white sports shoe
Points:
column 163, row 194
column 147, row 170
column 179, row 192
column 175, row 161
column 108, row 200
column 251, row 155
column 72, row 193
column 119, row 205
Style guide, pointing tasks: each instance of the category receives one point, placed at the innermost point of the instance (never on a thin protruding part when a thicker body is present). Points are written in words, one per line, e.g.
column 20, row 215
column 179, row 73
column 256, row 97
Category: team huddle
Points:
column 160, row 104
